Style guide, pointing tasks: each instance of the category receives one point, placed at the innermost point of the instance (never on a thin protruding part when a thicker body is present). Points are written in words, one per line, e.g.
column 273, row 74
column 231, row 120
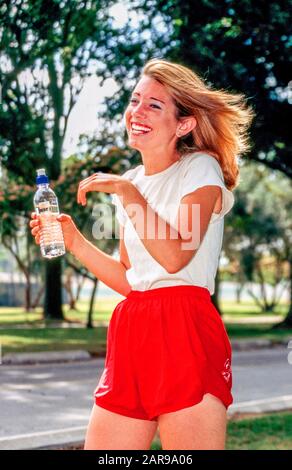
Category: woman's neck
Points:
column 155, row 163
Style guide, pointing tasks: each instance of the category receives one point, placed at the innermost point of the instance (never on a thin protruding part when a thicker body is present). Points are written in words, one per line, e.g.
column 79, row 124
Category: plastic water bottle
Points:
column 47, row 208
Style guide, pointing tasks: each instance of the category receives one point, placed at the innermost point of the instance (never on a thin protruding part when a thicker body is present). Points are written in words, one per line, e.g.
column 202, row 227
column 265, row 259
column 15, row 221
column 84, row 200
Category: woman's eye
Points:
column 133, row 100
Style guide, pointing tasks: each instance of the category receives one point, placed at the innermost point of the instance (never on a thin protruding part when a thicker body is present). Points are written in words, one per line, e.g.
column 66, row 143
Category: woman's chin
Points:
column 134, row 143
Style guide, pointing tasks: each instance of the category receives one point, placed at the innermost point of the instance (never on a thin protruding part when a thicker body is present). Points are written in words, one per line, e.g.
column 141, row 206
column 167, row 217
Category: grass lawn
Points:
column 53, row 339
column 257, row 330
column 271, row 431
column 250, row 309
column 10, row 316
column 27, row 332
column 16, row 315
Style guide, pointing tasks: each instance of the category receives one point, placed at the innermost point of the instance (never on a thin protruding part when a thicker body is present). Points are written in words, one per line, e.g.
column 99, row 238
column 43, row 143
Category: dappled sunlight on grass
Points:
column 21, row 332
column 249, row 308
column 53, row 339
column 102, row 312
column 18, row 315
column 236, row 330
column 104, row 307
column 270, row 432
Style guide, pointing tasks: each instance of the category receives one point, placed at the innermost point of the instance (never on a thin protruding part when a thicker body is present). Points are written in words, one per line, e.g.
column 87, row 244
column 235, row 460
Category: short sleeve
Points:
column 121, row 214
column 120, row 211
column 204, row 170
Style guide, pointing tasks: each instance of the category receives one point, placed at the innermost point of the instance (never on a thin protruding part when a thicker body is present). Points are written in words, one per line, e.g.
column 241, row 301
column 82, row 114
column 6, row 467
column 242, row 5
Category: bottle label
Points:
column 44, row 206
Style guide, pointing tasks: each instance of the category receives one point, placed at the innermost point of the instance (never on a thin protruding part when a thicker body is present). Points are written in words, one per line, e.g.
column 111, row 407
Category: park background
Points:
column 67, row 69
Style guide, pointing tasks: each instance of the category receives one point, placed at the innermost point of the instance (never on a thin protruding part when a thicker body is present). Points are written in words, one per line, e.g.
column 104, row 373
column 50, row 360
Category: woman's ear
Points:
column 185, row 125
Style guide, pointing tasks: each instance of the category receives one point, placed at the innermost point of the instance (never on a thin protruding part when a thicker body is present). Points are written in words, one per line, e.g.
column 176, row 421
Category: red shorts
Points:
column 166, row 348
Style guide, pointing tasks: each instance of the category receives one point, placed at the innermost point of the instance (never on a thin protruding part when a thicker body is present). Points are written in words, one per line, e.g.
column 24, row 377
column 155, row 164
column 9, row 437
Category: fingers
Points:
column 35, row 230
column 87, row 185
column 33, row 223
column 83, row 188
column 64, row 218
column 81, row 194
column 35, row 226
column 35, row 220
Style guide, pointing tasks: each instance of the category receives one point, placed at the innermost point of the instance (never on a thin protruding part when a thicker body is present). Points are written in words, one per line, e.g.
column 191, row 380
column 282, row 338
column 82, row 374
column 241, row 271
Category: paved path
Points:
column 49, row 404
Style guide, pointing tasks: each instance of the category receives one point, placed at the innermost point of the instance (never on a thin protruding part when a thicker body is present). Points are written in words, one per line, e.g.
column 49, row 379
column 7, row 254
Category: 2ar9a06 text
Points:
column 166, row 459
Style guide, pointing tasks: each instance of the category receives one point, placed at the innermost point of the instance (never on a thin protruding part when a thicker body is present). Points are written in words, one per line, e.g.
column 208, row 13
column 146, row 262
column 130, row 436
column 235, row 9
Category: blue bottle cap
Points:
column 41, row 176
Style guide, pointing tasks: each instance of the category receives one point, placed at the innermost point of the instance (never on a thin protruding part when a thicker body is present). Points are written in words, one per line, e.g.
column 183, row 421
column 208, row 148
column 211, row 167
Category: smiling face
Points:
column 150, row 117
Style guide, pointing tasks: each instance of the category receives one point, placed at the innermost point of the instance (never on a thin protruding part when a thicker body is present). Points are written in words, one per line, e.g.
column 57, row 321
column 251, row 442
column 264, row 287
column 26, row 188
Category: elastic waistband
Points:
column 195, row 291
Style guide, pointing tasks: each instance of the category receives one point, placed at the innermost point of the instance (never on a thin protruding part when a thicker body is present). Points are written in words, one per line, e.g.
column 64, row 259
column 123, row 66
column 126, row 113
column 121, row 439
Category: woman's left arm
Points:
column 171, row 247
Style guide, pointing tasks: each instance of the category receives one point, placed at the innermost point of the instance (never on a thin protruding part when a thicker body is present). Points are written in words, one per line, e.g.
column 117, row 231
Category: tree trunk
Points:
column 79, row 288
column 38, row 296
column 287, row 322
column 27, row 276
column 53, row 307
column 28, row 294
column 238, row 291
column 215, row 296
column 91, row 305
column 69, row 290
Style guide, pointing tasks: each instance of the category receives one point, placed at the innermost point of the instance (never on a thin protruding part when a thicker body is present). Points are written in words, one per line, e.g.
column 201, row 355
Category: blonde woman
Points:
column 168, row 361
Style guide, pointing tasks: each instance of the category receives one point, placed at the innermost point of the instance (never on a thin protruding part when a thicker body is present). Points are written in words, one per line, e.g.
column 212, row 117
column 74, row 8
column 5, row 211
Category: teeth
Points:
column 137, row 127
column 139, row 132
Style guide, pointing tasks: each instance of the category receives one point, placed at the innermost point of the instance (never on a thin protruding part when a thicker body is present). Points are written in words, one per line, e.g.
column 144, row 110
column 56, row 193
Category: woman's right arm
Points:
column 110, row 271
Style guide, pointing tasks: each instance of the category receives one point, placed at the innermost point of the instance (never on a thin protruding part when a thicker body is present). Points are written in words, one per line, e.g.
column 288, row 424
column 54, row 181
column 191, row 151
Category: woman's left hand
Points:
column 103, row 182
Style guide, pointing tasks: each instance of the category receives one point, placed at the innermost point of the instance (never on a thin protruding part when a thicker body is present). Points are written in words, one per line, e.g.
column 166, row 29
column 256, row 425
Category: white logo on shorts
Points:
column 227, row 370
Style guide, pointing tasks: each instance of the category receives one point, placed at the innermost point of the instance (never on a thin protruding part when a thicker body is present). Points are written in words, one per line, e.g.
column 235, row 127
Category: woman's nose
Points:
column 139, row 110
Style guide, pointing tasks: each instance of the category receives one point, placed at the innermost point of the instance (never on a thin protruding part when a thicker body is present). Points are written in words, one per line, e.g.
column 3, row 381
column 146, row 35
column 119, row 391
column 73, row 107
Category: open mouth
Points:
column 139, row 129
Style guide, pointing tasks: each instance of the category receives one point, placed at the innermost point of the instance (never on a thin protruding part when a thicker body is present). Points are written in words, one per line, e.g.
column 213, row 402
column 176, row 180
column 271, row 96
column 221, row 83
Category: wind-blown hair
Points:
column 223, row 118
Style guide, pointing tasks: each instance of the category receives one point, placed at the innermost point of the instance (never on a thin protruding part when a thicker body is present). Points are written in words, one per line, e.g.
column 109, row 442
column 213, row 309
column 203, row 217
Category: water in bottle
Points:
column 47, row 208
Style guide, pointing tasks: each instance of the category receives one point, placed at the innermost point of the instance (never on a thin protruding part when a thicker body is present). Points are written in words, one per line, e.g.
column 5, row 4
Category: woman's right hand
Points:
column 70, row 231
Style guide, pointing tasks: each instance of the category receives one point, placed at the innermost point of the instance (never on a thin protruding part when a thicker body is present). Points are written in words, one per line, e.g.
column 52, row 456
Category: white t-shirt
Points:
column 163, row 192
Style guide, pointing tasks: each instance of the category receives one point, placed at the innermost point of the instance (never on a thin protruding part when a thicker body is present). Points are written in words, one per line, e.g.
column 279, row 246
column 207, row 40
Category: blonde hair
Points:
column 222, row 117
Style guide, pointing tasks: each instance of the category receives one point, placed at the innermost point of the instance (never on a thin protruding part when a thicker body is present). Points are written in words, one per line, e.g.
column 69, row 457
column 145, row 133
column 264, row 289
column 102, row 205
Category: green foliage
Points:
column 238, row 46
column 75, row 169
column 47, row 50
column 258, row 232
column 57, row 44
column 271, row 432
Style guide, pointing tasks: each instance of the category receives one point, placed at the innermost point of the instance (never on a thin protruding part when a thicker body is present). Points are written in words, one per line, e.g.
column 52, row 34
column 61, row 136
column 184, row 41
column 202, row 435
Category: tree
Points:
column 47, row 50
column 14, row 234
column 239, row 46
column 69, row 276
column 114, row 160
column 259, row 233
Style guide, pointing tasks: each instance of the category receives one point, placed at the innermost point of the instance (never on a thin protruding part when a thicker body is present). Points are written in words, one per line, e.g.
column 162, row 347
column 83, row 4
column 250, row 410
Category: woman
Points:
column 168, row 360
